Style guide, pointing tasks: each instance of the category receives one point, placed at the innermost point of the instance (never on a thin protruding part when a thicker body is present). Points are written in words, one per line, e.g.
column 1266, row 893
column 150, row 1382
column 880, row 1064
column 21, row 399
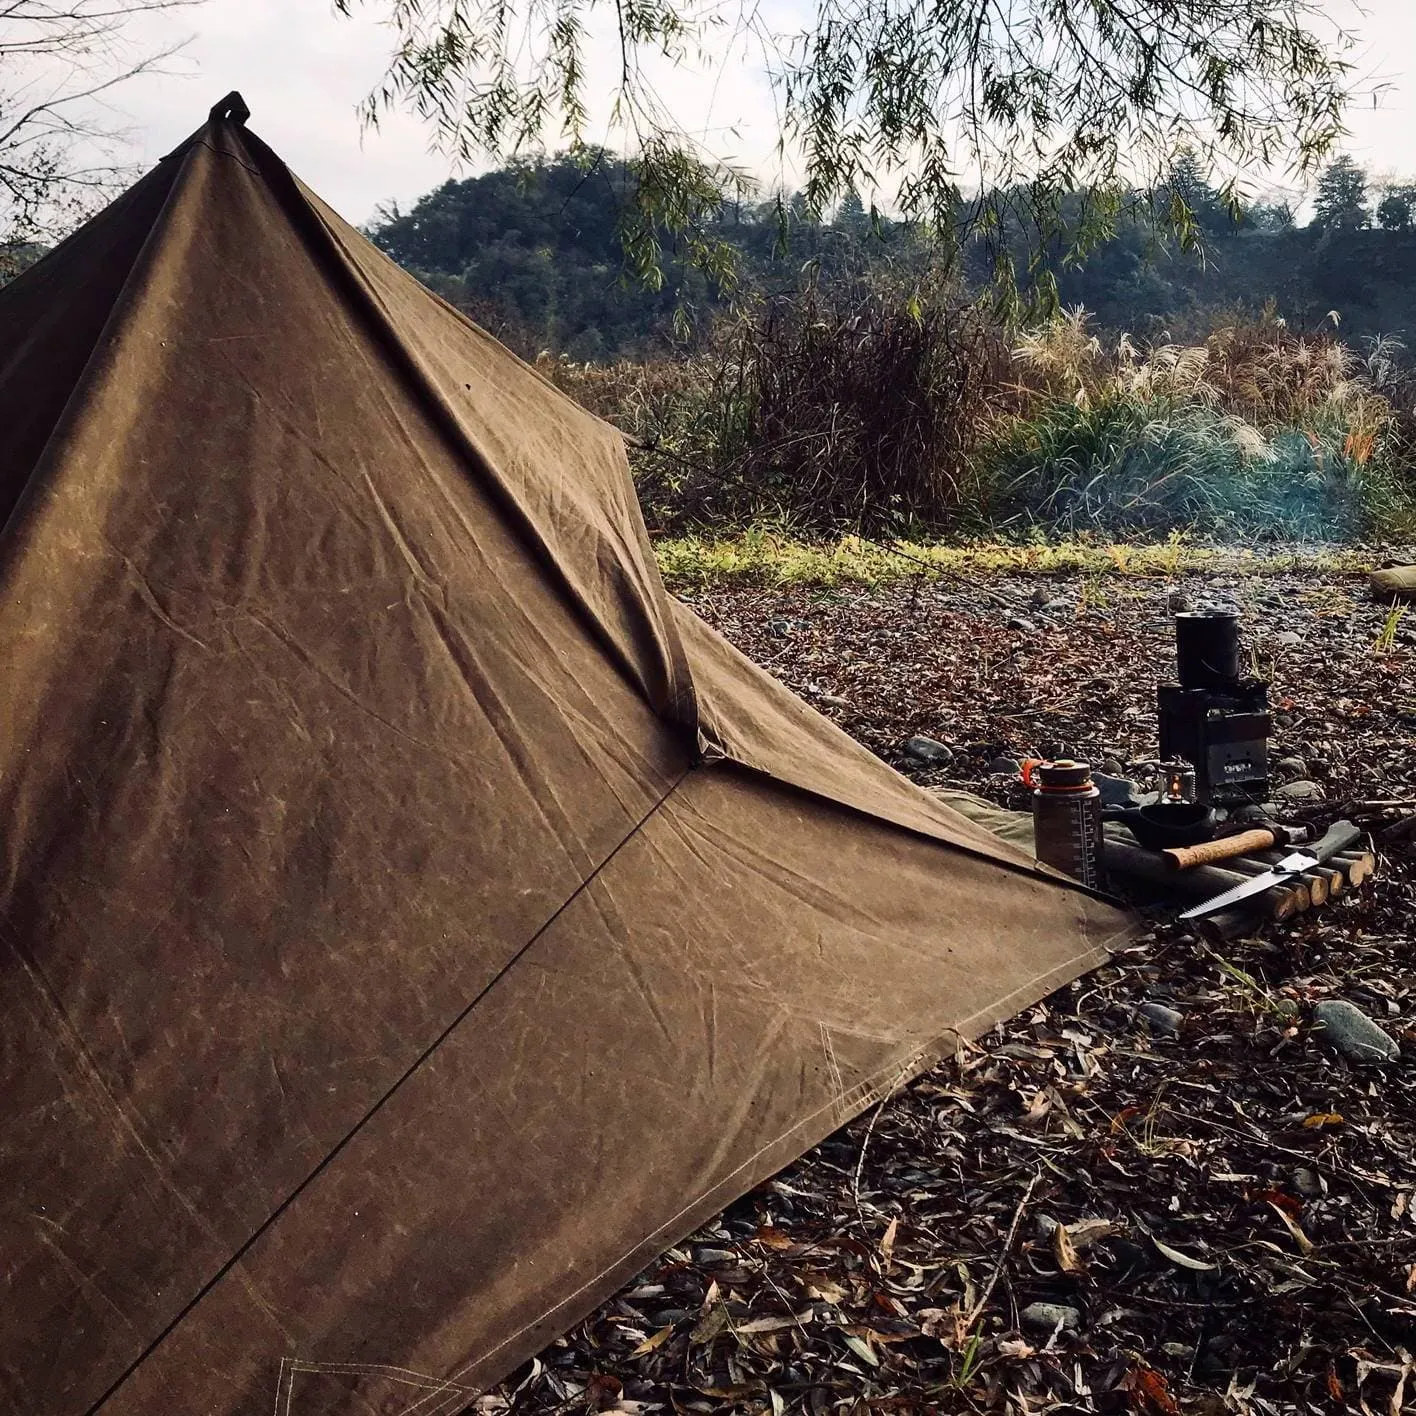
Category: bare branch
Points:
column 59, row 59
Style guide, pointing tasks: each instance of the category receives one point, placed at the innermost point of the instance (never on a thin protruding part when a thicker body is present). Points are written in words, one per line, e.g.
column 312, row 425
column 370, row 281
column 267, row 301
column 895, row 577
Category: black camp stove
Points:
column 1215, row 718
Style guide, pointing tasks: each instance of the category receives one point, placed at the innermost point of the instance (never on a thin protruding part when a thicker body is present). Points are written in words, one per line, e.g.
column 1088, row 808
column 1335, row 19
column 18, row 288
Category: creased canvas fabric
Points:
column 411, row 918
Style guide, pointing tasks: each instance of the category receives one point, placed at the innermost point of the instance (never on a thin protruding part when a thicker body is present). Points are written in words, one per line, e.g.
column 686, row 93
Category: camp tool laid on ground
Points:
column 1126, row 861
column 1214, row 717
column 1242, row 843
column 1166, row 823
column 1339, row 838
column 1066, row 818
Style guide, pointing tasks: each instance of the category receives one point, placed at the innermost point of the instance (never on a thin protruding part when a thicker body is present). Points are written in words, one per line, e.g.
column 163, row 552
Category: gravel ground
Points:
column 1162, row 1189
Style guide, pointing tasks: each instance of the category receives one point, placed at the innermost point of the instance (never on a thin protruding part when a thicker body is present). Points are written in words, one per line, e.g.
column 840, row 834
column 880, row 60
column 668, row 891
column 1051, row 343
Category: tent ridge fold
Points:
column 33, row 475
column 674, row 698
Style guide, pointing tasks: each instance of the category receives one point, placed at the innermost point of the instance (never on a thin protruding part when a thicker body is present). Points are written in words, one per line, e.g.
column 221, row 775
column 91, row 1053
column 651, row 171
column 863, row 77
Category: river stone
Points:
column 1045, row 1317
column 1018, row 622
column 1004, row 767
column 1301, row 790
column 1116, row 791
column 716, row 1256
column 929, row 751
column 1353, row 1033
column 1288, row 637
column 1291, row 767
column 1161, row 1018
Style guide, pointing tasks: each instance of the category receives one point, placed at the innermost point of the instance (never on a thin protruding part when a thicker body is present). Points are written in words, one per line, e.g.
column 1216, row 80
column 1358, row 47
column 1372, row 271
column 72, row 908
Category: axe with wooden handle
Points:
column 1261, row 838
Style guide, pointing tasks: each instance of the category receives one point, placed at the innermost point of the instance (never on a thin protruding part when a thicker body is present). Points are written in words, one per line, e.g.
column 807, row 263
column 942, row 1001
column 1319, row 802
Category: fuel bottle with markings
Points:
column 1066, row 818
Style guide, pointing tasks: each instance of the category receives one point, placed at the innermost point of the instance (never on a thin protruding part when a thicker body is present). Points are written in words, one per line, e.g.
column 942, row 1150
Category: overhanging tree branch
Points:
column 1021, row 103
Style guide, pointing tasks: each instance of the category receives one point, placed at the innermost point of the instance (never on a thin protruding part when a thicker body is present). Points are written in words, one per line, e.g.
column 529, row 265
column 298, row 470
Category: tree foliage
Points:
column 533, row 252
column 1340, row 201
column 913, row 102
column 1396, row 211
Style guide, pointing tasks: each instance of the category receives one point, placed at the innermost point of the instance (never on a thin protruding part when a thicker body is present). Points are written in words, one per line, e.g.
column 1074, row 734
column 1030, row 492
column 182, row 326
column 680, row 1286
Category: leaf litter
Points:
column 1074, row 1214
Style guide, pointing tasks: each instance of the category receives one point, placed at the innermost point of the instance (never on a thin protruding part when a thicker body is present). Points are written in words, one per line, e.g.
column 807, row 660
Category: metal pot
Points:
column 1166, row 823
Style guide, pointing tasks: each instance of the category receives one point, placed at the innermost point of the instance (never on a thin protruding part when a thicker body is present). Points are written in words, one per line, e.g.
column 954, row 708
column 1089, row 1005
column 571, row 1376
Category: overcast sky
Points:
column 303, row 70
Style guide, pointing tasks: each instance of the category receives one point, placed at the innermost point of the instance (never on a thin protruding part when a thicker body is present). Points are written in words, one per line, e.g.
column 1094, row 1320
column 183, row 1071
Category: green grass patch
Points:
column 770, row 558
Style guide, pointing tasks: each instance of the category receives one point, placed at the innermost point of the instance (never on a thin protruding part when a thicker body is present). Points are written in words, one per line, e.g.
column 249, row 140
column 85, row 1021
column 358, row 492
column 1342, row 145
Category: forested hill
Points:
column 533, row 253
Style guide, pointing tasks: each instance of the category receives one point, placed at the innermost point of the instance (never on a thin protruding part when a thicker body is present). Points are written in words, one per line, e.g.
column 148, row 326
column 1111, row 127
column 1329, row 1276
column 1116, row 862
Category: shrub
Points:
column 1129, row 464
column 895, row 410
column 825, row 411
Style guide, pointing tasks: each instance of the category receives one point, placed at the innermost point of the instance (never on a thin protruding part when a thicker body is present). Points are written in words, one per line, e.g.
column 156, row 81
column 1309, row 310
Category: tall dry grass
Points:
column 1257, row 431
column 899, row 410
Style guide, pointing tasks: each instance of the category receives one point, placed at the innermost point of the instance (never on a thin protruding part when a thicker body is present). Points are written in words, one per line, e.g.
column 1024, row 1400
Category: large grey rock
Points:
column 1116, row 791
column 1160, row 1018
column 929, row 751
column 1353, row 1033
column 1301, row 790
column 1046, row 1317
column 1004, row 767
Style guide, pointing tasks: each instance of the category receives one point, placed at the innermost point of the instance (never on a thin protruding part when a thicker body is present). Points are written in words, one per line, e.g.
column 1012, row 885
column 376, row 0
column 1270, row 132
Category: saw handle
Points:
column 1211, row 852
column 1340, row 836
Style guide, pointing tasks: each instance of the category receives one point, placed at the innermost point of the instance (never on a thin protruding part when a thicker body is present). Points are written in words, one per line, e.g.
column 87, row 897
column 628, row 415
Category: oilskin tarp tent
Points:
column 413, row 919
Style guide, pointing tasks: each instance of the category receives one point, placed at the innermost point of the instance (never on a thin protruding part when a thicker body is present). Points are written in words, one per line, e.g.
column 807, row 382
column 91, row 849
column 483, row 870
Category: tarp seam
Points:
column 388, row 1095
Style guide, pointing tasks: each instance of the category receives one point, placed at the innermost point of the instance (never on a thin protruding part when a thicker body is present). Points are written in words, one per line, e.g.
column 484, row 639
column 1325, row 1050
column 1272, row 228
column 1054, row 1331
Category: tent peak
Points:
column 231, row 108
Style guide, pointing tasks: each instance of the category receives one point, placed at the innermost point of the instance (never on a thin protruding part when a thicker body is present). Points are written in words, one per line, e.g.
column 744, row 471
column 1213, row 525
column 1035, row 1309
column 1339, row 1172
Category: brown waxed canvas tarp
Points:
column 413, row 919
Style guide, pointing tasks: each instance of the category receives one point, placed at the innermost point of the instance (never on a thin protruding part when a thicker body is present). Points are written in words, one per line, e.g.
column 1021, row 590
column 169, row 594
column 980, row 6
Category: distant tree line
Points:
column 534, row 251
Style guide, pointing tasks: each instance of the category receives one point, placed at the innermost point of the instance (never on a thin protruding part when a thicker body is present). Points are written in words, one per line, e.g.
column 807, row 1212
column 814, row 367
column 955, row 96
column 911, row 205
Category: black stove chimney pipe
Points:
column 1207, row 648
